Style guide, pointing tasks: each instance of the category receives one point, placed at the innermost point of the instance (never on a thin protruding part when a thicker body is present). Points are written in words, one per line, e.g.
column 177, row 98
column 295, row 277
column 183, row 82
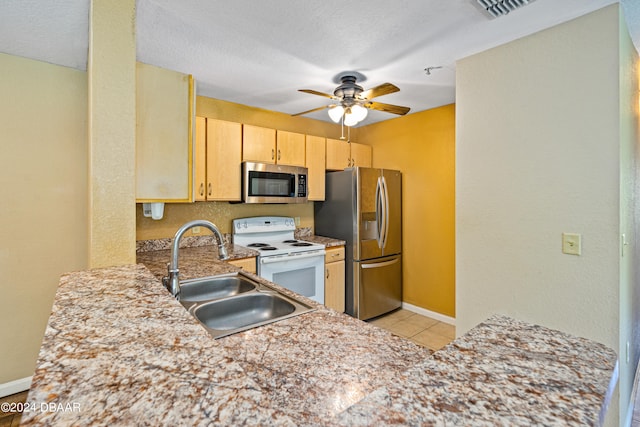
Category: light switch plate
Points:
column 572, row 243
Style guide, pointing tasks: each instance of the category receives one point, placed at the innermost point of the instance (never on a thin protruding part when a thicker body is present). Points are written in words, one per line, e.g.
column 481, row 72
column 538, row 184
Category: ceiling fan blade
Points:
column 395, row 109
column 311, row 111
column 315, row 92
column 383, row 89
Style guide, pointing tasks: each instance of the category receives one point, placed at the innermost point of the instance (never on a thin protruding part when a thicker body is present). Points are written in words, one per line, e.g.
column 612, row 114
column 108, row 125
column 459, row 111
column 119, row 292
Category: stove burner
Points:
column 267, row 248
column 301, row 244
column 290, row 241
column 257, row 245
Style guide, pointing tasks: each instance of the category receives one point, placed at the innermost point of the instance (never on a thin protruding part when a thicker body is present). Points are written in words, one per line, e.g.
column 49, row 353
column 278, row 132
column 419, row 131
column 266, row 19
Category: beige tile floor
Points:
column 420, row 329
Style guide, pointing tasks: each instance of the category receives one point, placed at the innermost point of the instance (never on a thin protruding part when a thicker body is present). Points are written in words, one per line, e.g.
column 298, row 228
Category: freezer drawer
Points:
column 377, row 287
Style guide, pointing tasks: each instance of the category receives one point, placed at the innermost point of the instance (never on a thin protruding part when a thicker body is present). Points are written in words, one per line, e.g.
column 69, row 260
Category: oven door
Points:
column 302, row 273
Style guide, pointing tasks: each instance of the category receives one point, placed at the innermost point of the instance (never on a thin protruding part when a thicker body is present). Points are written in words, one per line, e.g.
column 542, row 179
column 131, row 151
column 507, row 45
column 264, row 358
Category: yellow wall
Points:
column 422, row 146
column 43, row 188
column 222, row 213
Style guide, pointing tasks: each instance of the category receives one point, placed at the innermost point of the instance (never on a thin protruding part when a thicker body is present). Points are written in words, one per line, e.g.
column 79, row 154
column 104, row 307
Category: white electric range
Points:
column 294, row 264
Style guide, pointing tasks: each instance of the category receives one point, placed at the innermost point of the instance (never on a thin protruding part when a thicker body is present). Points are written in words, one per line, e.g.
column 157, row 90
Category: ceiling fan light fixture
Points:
column 359, row 112
column 350, row 119
column 336, row 113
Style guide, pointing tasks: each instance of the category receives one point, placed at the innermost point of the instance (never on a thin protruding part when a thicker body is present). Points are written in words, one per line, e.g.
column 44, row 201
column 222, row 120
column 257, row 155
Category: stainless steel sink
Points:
column 212, row 288
column 232, row 303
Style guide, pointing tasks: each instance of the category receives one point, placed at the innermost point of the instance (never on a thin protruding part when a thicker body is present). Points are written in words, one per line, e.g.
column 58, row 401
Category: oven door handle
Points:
column 272, row 259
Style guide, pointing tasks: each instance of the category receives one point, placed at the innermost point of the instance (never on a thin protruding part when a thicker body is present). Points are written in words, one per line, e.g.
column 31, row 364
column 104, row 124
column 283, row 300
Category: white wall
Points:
column 538, row 149
column 629, row 212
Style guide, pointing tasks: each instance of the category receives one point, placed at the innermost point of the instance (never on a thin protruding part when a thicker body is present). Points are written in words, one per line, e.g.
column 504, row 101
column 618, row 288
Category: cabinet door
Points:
column 200, row 161
column 247, row 264
column 224, row 158
column 316, row 155
column 338, row 154
column 360, row 155
column 334, row 286
column 290, row 148
column 164, row 135
column 258, row 144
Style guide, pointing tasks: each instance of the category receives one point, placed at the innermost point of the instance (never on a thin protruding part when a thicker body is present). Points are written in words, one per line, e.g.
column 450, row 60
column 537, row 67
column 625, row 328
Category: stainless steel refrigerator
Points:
column 363, row 206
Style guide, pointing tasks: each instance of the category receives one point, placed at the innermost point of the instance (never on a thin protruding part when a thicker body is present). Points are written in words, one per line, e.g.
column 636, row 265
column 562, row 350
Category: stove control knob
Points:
column 244, row 224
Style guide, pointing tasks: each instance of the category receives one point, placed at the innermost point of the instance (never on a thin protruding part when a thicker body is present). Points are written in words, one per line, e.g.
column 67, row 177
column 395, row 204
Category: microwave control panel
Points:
column 302, row 185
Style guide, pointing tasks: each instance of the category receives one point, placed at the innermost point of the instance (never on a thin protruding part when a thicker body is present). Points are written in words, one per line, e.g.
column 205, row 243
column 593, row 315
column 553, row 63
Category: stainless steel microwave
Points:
column 269, row 183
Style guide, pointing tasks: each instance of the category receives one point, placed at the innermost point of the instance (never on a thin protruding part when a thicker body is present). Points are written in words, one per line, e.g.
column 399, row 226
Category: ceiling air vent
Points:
column 497, row 8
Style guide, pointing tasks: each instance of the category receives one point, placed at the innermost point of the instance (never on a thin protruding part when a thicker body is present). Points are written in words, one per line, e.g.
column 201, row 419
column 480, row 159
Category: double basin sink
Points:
column 233, row 302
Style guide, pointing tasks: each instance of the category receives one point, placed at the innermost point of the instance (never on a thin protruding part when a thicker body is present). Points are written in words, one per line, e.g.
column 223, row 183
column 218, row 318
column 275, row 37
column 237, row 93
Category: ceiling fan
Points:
column 353, row 101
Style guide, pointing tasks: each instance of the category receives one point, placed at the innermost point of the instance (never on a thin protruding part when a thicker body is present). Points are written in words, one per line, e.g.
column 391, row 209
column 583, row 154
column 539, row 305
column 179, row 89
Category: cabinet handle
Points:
column 273, row 154
column 327, row 273
column 278, row 154
column 209, row 189
column 202, row 188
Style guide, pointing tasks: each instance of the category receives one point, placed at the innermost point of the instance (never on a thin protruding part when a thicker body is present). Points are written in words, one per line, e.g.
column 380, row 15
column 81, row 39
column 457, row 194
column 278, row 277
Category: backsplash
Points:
column 220, row 213
column 194, row 241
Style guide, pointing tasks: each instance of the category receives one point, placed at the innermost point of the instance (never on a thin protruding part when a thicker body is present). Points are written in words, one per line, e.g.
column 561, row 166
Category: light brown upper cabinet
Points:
column 218, row 160
column 290, row 148
column 343, row 154
column 315, row 154
column 258, row 144
column 271, row 146
column 360, row 155
column 164, row 135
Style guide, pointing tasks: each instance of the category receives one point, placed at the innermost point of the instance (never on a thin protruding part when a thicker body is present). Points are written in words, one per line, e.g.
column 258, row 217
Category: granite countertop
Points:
column 118, row 345
column 119, row 350
column 193, row 262
column 329, row 242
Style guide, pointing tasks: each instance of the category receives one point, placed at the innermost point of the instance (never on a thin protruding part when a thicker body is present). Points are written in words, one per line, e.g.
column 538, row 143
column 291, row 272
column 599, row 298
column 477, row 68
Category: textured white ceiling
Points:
column 259, row 53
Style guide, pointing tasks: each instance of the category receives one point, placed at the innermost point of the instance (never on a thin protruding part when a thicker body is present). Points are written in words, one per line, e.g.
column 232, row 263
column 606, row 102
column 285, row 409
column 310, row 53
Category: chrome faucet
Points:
column 172, row 282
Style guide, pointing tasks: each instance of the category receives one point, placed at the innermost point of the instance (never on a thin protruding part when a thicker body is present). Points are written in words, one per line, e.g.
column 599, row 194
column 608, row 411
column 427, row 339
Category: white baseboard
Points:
column 13, row 387
column 429, row 313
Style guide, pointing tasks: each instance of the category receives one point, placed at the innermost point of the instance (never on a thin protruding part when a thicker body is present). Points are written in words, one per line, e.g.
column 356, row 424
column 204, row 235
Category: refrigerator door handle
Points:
column 379, row 213
column 379, row 264
column 385, row 193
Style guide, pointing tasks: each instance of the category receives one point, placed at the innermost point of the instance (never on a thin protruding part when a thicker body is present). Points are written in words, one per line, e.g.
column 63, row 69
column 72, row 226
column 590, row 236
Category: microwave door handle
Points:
column 379, row 213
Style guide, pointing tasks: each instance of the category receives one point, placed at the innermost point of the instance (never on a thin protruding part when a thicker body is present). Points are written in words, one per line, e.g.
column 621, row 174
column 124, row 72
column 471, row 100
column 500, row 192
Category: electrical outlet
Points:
column 195, row 230
column 297, row 220
column 572, row 243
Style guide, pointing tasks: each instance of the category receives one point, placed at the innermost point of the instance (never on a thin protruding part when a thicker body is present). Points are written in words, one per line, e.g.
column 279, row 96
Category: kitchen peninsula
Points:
column 123, row 351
